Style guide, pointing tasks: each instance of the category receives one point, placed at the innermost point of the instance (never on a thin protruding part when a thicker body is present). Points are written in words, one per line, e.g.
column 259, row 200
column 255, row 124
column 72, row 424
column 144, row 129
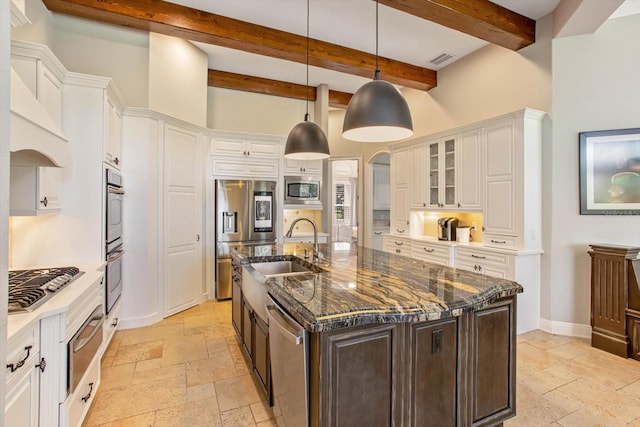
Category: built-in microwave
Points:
column 302, row 190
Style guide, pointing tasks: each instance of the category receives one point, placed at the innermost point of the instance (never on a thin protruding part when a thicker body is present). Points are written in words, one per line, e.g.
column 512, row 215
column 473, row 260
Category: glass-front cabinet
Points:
column 442, row 173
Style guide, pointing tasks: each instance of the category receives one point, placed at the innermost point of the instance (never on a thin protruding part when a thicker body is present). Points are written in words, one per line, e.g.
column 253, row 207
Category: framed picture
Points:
column 610, row 172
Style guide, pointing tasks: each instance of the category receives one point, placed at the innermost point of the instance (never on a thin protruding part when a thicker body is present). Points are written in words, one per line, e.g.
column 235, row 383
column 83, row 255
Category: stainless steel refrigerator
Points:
column 245, row 215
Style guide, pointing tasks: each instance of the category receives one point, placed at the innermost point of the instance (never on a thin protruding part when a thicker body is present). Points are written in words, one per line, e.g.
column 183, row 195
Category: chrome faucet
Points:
column 315, row 232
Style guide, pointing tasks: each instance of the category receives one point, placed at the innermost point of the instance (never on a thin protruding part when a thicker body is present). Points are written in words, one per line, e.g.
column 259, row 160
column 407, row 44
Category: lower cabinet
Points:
column 452, row 372
column 23, row 380
column 252, row 331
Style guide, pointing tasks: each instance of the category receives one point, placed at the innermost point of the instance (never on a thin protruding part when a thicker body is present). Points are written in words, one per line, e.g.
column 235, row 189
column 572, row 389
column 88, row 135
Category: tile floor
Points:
column 189, row 370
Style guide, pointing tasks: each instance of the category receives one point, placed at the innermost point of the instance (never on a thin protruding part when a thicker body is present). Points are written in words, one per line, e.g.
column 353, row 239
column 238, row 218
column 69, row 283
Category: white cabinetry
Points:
column 432, row 252
column 23, row 379
column 113, row 132
column 417, row 190
column 302, row 167
column 441, row 173
column 512, row 165
column 35, row 190
column 484, row 262
column 244, row 156
column 397, row 245
column 380, row 187
column 469, row 176
column 400, row 218
column 377, row 240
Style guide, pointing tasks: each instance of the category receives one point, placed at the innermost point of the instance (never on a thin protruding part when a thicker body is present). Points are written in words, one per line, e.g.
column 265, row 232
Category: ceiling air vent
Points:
column 440, row 59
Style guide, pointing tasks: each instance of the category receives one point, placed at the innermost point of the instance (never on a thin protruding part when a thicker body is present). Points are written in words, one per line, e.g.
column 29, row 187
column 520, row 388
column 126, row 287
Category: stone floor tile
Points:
column 140, row 335
column 201, row 391
column 239, row 417
column 236, row 392
column 142, row 420
column 184, row 349
column 203, row 413
column 161, row 373
column 138, row 352
column 137, row 399
column 261, row 411
column 536, row 357
column 267, row 423
column 210, row 370
column 632, row 389
column 572, row 349
column 116, row 376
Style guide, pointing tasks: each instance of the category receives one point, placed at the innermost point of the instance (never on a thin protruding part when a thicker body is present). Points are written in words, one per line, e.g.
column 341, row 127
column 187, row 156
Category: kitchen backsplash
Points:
column 428, row 222
column 302, row 227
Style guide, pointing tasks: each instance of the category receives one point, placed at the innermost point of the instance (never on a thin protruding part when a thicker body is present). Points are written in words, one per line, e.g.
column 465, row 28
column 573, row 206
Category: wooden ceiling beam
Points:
column 196, row 25
column 479, row 18
column 245, row 83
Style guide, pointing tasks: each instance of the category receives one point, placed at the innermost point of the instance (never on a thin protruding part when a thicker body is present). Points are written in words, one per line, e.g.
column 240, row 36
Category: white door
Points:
column 182, row 221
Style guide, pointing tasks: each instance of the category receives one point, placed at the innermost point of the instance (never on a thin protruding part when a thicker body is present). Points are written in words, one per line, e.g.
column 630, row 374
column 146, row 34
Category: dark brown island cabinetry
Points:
column 452, row 372
column 615, row 299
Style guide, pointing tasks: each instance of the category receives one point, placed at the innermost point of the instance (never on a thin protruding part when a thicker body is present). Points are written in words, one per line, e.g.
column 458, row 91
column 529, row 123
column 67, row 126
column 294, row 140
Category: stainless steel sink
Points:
column 280, row 268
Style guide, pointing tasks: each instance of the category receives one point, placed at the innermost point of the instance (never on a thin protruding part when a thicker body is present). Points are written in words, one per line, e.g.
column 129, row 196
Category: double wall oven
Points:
column 114, row 244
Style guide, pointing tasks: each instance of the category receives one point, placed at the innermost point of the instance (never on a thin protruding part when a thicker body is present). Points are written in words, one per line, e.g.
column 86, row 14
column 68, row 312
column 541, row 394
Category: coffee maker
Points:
column 447, row 228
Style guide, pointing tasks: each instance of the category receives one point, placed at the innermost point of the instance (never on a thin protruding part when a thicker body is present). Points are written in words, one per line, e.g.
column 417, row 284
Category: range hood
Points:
column 32, row 128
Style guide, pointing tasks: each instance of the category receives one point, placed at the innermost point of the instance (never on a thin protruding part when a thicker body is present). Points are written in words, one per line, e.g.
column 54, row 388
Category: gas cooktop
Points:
column 28, row 289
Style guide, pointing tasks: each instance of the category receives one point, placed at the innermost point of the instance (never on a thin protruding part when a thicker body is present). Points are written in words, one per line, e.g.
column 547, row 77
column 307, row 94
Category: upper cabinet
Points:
column 244, row 155
column 469, row 176
column 441, row 173
column 302, row 167
column 400, row 191
column 113, row 132
column 34, row 190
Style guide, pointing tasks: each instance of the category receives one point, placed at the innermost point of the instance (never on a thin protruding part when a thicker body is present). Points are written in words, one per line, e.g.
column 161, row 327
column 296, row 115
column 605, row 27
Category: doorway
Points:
column 344, row 200
column 377, row 210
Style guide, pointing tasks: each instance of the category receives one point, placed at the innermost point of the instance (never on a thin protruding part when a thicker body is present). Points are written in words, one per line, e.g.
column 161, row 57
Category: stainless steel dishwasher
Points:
column 288, row 345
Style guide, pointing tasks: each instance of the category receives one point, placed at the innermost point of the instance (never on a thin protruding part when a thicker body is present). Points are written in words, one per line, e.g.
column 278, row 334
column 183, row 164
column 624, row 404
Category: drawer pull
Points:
column 498, row 241
column 20, row 364
column 377, row 233
column 428, row 250
column 88, row 395
column 42, row 365
column 399, row 243
column 478, row 256
column 400, row 231
column 115, row 322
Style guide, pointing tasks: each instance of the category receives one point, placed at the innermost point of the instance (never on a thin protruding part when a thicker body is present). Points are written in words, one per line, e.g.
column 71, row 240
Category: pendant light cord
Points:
column 306, row 88
column 376, row 73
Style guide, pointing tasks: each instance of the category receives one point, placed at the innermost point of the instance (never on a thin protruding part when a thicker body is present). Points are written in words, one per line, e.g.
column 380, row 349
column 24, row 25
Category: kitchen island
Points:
column 390, row 340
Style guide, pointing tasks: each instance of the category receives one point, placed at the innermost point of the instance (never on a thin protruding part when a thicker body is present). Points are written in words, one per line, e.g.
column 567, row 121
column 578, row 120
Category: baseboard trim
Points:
column 565, row 328
column 138, row 322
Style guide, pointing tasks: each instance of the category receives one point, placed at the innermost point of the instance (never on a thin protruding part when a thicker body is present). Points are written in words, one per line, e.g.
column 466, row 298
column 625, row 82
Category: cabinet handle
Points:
column 248, row 153
column 398, row 243
column 116, row 161
column 400, row 231
column 115, row 322
column 42, row 365
column 459, row 205
column 478, row 256
column 397, row 251
column 498, row 241
column 44, row 201
column 477, row 267
column 428, row 250
column 88, row 395
column 377, row 233
column 20, row 364
column 197, row 237
column 424, row 205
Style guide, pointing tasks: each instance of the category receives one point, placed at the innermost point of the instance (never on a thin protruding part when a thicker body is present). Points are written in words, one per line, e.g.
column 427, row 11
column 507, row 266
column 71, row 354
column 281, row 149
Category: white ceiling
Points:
column 349, row 23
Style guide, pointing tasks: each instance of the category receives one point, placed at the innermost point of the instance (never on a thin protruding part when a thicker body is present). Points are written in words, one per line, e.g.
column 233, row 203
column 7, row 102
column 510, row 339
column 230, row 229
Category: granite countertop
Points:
column 360, row 286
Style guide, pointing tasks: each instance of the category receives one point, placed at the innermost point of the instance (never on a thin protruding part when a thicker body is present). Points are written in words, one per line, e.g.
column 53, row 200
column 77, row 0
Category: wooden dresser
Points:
column 615, row 299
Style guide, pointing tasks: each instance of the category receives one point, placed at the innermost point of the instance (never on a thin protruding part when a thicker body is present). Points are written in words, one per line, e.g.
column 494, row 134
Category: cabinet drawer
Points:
column 23, row 351
column 485, row 262
column 430, row 252
column 397, row 245
column 76, row 405
column 498, row 241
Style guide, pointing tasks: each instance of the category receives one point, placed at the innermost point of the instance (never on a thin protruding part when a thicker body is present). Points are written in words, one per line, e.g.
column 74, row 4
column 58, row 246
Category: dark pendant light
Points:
column 307, row 141
column 377, row 112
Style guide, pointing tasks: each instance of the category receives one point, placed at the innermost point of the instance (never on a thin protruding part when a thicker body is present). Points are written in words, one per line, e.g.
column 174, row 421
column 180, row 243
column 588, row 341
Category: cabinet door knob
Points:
column 197, row 237
column 42, row 365
column 116, row 161
column 248, row 153
column 459, row 205
column 44, row 201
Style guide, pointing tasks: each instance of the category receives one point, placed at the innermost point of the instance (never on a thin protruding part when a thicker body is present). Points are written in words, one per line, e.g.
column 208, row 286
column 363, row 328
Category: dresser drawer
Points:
column 484, row 262
column 397, row 245
column 498, row 241
column 23, row 350
column 431, row 252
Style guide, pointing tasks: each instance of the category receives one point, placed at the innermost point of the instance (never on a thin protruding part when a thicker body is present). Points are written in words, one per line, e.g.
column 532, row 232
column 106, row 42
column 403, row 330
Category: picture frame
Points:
column 610, row 172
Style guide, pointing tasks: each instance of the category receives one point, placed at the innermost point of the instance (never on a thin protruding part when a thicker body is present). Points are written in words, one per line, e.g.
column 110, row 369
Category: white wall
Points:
column 595, row 87
column 177, row 79
column 5, row 56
